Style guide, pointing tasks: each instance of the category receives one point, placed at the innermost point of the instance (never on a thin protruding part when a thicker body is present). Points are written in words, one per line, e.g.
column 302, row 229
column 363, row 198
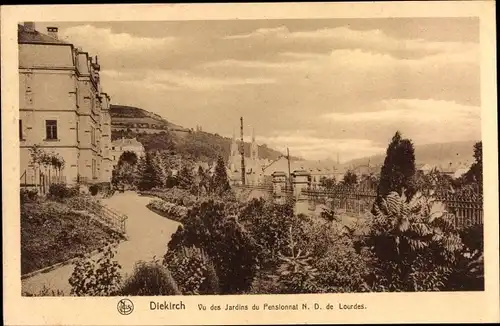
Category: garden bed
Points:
column 168, row 210
column 52, row 233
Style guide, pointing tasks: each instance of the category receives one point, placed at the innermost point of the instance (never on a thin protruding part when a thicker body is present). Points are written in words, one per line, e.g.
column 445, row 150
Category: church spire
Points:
column 254, row 148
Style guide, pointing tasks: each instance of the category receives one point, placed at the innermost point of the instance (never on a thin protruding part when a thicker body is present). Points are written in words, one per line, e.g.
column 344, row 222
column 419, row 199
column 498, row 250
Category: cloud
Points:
column 424, row 121
column 414, row 110
column 171, row 80
column 261, row 32
column 318, row 148
column 104, row 40
column 374, row 40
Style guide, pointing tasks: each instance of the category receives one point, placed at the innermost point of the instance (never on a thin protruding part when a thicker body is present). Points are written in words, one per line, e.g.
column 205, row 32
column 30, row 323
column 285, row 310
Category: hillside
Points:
column 434, row 154
column 156, row 133
column 123, row 116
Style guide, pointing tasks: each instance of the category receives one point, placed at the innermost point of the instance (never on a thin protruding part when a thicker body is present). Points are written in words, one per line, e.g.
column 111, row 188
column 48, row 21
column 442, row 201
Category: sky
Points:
column 321, row 87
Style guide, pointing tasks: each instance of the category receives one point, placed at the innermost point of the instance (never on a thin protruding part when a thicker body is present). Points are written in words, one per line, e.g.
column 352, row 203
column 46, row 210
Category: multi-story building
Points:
column 122, row 145
column 63, row 109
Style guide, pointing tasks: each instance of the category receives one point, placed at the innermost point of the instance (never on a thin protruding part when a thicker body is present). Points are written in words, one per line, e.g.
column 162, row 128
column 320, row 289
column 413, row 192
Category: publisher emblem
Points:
column 125, row 307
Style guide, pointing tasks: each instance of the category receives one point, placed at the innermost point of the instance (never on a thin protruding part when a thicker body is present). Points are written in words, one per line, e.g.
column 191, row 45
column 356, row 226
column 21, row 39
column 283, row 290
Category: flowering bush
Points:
column 80, row 203
column 176, row 196
column 169, row 210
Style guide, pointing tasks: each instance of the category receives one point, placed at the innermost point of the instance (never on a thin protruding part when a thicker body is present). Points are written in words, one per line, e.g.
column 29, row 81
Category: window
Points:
column 92, row 135
column 51, row 129
column 94, row 174
column 20, row 129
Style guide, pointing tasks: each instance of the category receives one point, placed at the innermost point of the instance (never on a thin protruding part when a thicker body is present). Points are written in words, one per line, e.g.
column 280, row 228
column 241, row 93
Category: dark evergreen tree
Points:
column 185, row 178
column 128, row 157
column 220, row 181
column 149, row 174
column 350, row 179
column 398, row 169
column 475, row 174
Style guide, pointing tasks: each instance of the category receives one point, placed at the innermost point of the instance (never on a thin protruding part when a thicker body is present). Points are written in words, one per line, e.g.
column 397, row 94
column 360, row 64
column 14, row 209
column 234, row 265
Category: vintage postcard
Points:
column 250, row 163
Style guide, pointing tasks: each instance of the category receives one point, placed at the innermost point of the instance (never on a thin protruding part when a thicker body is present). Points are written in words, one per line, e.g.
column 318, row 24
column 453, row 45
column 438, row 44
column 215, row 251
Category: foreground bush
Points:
column 193, row 271
column 231, row 248
column 414, row 242
column 96, row 276
column 28, row 195
column 81, row 203
column 60, row 191
column 44, row 292
column 169, row 210
column 150, row 278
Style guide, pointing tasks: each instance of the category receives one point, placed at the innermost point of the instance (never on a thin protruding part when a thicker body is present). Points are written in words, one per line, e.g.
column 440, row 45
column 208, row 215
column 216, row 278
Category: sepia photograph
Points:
column 255, row 157
column 179, row 158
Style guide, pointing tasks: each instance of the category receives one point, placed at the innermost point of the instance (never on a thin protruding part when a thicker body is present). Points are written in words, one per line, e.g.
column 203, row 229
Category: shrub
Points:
column 169, row 210
column 44, row 292
column 60, row 191
column 193, row 271
column 28, row 195
column 268, row 223
column 96, row 277
column 80, row 203
column 414, row 242
column 150, row 278
column 94, row 189
column 231, row 248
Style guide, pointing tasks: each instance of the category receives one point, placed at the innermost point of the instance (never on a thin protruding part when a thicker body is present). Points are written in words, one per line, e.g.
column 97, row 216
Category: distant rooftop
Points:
column 127, row 141
column 28, row 34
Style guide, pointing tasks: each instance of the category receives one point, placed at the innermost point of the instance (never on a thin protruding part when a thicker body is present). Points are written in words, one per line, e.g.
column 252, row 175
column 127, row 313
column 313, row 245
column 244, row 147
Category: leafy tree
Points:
column 149, row 174
column 124, row 174
column 398, row 169
column 327, row 183
column 220, row 181
column 128, row 157
column 350, row 179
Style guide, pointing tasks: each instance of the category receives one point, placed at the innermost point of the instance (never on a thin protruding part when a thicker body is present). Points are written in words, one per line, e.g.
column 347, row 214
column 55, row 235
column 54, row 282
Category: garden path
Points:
column 148, row 236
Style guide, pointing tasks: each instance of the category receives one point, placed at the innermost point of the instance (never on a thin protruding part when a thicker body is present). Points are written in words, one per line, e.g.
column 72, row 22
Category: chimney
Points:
column 52, row 32
column 29, row 26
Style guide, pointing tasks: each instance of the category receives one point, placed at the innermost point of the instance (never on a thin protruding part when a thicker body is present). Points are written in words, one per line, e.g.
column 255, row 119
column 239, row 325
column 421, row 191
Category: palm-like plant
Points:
column 415, row 241
column 415, row 224
column 295, row 272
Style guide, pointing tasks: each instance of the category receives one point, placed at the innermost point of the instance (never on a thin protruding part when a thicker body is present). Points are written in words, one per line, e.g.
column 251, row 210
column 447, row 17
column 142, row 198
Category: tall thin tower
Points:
column 242, row 152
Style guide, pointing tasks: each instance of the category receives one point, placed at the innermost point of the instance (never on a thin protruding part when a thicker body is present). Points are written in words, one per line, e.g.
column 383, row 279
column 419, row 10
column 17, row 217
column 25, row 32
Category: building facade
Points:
column 122, row 145
column 62, row 109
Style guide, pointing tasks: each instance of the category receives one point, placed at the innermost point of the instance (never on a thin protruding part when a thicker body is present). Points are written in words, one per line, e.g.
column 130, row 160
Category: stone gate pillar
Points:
column 301, row 181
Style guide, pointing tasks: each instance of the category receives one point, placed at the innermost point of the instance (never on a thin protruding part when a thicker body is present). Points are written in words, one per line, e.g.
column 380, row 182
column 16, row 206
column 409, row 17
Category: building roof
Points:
column 127, row 142
column 25, row 35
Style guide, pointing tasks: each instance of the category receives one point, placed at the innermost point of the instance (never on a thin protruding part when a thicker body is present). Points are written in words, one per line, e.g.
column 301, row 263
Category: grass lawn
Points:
column 52, row 233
